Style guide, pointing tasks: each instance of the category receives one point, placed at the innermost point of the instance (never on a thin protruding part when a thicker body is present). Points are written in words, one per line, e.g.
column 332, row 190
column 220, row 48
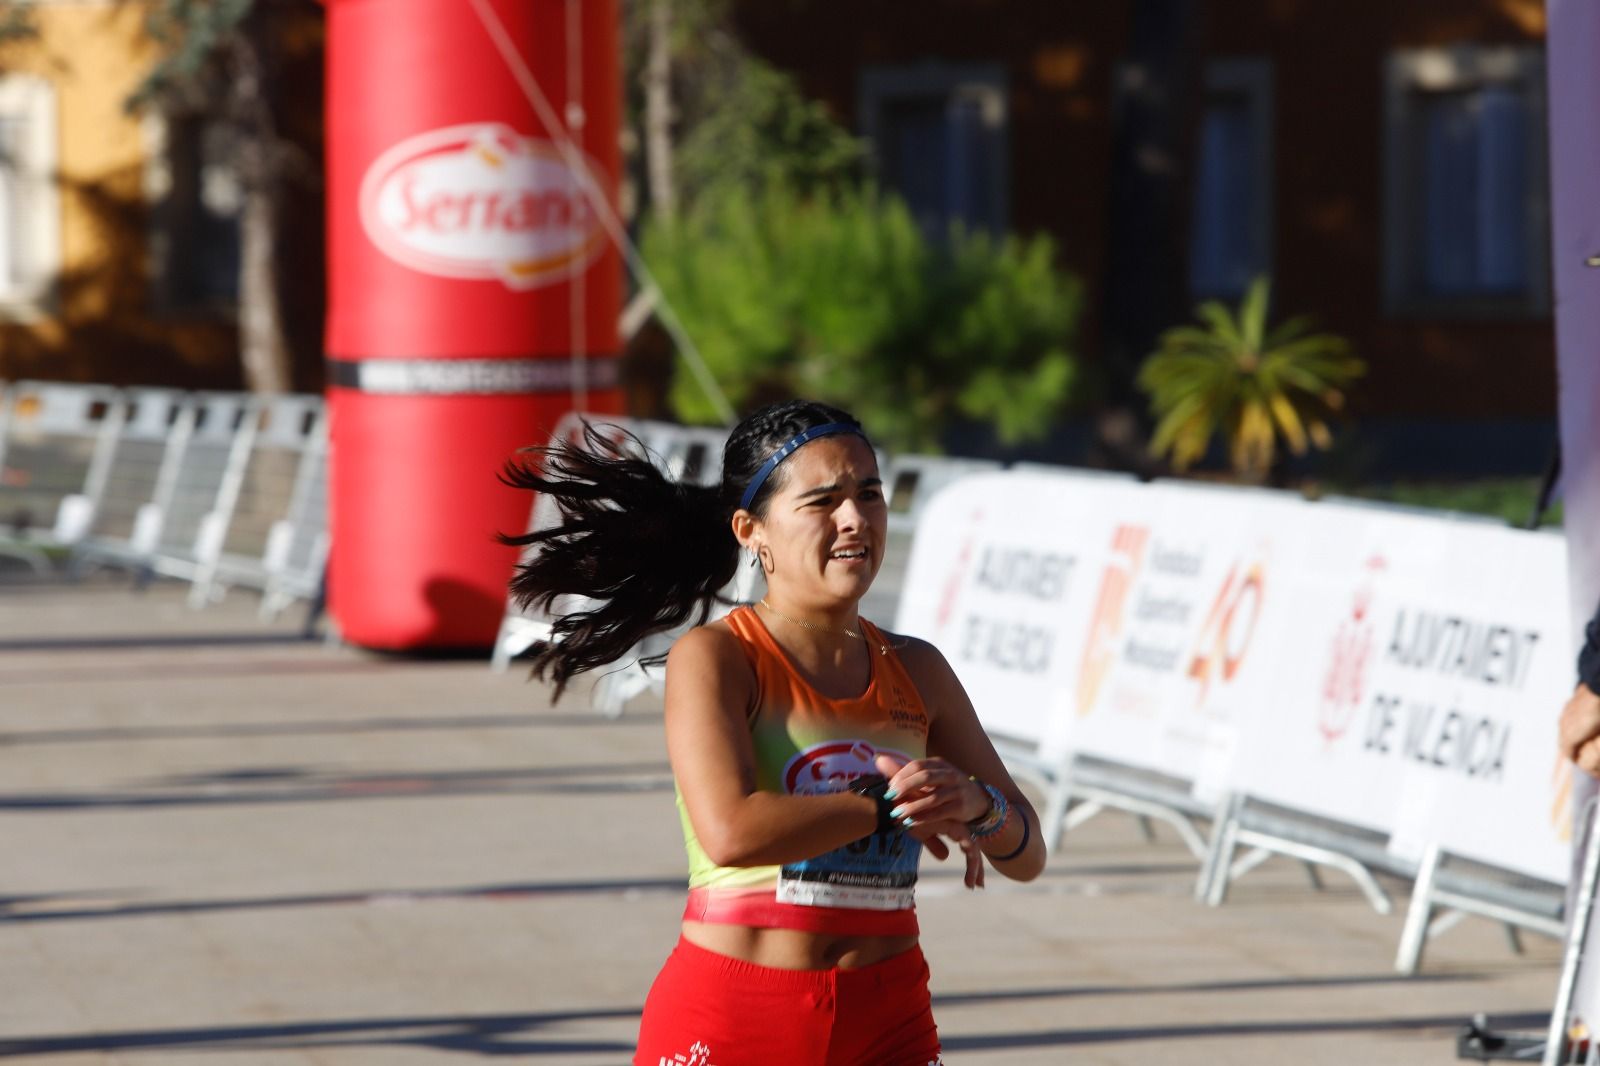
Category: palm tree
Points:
column 1232, row 376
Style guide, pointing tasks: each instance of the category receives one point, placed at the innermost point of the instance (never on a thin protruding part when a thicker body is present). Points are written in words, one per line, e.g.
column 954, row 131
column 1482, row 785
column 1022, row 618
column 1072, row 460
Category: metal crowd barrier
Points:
column 56, row 446
column 254, row 496
column 1272, row 830
column 1568, row 1039
column 221, row 434
column 1445, row 889
column 143, row 476
column 220, row 489
column 294, row 547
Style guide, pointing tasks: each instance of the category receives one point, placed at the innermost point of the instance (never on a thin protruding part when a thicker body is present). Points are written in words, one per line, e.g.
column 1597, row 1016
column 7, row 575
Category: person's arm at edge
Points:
column 956, row 735
column 1579, row 727
column 710, row 692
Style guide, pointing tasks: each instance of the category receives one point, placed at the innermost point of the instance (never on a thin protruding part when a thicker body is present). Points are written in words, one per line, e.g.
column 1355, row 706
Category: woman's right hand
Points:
column 932, row 836
column 973, row 878
column 1580, row 729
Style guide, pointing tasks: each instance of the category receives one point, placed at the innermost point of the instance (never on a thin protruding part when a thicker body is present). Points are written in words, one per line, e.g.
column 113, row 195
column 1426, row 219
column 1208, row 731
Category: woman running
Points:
column 815, row 755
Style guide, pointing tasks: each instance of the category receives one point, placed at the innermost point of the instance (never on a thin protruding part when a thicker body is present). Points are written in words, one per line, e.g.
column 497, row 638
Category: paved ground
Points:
column 226, row 845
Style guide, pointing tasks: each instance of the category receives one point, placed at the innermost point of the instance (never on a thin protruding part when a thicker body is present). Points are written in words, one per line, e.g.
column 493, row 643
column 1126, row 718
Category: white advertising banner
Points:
column 996, row 580
column 1179, row 634
column 1508, row 802
column 1392, row 671
column 1418, row 693
column 1323, row 736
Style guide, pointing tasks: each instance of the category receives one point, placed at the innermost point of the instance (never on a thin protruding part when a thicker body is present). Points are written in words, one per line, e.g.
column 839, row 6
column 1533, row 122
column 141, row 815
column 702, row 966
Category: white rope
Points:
column 602, row 206
column 577, row 288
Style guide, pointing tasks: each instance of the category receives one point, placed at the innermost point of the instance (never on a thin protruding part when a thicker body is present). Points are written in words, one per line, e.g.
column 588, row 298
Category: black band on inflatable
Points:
column 472, row 377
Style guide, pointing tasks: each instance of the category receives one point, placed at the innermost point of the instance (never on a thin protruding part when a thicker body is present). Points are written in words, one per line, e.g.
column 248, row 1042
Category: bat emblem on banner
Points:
column 1345, row 682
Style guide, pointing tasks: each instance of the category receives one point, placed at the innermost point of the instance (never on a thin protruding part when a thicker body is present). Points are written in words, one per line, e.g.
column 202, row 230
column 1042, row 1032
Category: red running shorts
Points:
column 707, row 1009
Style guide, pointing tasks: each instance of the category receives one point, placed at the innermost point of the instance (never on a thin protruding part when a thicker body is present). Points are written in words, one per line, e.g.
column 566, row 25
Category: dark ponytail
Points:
column 647, row 551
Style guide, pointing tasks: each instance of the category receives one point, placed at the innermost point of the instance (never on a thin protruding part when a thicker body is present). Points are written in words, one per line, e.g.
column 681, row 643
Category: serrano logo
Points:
column 824, row 768
column 1345, row 681
column 480, row 202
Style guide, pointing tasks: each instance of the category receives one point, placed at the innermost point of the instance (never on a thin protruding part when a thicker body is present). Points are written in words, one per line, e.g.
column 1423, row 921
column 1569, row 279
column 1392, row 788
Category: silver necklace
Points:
column 883, row 649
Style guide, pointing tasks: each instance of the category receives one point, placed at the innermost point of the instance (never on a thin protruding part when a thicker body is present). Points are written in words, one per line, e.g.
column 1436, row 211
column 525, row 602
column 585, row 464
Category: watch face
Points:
column 874, row 785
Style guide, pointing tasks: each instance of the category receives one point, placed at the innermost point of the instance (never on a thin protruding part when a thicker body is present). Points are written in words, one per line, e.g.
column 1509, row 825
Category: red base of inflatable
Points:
column 416, row 503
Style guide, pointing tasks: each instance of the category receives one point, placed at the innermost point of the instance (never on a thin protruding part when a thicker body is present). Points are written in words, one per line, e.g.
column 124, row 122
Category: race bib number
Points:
column 877, row 872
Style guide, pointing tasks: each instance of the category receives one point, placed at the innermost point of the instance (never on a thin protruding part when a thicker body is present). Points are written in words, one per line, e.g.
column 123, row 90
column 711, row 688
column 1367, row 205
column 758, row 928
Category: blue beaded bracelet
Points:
column 995, row 820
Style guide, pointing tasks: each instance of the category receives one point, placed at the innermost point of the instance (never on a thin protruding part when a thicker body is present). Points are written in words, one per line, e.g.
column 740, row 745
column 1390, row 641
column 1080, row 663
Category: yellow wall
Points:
column 98, row 325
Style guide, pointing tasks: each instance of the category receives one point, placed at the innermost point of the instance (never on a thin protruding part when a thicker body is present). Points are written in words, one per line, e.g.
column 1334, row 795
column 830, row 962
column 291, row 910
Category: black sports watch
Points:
column 876, row 785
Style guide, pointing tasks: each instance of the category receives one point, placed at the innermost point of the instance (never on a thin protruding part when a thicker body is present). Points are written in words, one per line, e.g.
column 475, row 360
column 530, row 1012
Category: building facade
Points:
column 1385, row 164
column 119, row 248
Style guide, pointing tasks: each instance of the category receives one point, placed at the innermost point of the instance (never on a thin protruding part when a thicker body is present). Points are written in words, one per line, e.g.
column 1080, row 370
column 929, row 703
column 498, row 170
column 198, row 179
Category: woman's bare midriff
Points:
column 795, row 949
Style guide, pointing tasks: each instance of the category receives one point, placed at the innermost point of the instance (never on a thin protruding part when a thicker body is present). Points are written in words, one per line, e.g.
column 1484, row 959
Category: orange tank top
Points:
column 806, row 743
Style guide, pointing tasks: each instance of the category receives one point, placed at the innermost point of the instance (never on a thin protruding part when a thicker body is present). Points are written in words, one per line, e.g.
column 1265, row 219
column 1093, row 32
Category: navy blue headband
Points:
column 789, row 448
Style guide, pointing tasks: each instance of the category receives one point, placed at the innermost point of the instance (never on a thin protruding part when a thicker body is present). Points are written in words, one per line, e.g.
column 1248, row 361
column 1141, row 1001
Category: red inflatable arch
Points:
column 473, row 292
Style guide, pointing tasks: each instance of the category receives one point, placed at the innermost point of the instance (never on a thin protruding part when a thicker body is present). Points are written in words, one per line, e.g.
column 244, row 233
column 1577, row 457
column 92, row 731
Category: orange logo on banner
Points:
column 1099, row 651
column 1561, row 801
column 958, row 577
column 1345, row 681
column 1221, row 646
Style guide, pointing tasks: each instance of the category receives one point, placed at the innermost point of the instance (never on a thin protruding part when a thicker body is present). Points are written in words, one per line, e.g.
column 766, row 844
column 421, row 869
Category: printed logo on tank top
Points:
column 907, row 713
column 877, row 872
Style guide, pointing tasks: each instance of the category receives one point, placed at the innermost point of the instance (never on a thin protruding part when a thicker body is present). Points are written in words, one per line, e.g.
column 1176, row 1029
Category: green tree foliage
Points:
column 756, row 128
column 1254, row 386
column 730, row 119
column 840, row 296
column 192, row 36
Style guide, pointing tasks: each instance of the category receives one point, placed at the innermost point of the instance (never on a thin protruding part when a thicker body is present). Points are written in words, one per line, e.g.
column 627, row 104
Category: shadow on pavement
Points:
column 1188, row 987
column 502, row 1035
column 1071, row 1037
column 127, row 642
column 340, row 727
column 17, row 909
column 490, row 1035
column 291, row 785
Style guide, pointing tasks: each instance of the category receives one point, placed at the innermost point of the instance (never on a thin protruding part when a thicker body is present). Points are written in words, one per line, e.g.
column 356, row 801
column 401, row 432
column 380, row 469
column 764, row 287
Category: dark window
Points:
column 939, row 139
column 1467, row 231
column 1229, row 238
column 196, row 217
column 1474, row 190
